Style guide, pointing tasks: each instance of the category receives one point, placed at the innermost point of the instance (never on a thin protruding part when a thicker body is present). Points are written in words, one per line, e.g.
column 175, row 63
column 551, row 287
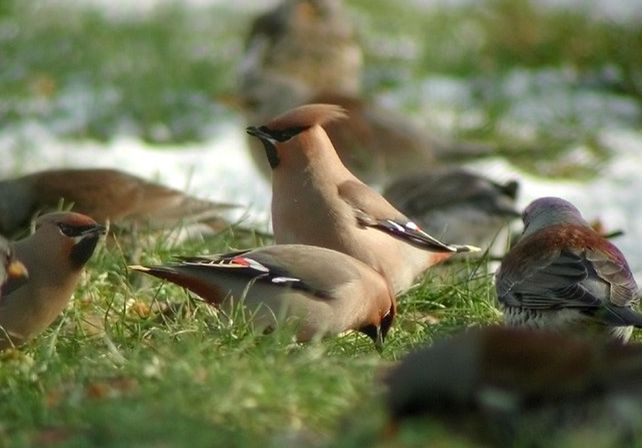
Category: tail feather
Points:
column 192, row 281
column 620, row 316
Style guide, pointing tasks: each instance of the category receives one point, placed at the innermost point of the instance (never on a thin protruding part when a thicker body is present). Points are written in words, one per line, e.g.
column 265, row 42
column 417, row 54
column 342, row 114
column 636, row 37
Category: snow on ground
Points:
column 218, row 169
column 614, row 197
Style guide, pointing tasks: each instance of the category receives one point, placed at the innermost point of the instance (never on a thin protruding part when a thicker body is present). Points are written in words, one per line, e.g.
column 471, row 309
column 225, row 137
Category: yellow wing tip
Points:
column 17, row 270
column 137, row 267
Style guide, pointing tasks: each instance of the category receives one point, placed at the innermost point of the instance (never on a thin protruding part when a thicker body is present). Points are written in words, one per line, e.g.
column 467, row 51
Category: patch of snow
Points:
column 614, row 197
column 219, row 169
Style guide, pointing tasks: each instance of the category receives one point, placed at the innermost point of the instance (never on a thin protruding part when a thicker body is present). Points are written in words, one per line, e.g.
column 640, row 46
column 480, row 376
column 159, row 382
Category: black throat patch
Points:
column 271, row 153
column 83, row 250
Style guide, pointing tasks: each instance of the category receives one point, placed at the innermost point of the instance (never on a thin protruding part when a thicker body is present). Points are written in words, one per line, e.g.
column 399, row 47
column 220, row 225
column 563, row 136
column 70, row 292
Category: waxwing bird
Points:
column 317, row 201
column 306, row 51
column 54, row 255
column 104, row 194
column 562, row 275
column 307, row 42
column 11, row 269
column 519, row 387
column 456, row 204
column 324, row 291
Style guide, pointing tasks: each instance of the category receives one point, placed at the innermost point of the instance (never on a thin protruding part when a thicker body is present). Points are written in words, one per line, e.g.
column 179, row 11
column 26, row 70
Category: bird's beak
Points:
column 97, row 229
column 17, row 270
column 258, row 133
column 269, row 144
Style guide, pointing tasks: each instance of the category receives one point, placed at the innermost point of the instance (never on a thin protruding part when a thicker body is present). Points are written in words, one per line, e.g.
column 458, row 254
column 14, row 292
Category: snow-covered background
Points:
column 219, row 167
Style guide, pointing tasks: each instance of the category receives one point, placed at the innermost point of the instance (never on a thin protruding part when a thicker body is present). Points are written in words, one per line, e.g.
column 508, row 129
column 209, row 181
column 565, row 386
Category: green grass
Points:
column 136, row 362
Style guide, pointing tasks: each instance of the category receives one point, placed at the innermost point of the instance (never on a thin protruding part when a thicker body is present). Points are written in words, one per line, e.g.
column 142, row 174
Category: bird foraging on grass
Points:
column 323, row 291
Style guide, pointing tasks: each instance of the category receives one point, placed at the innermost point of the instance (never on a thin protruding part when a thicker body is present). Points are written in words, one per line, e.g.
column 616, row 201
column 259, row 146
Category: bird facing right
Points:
column 105, row 195
column 324, row 291
column 564, row 276
column 55, row 256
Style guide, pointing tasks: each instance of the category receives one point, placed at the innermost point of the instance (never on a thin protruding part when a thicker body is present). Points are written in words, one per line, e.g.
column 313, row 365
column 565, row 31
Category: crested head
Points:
column 75, row 233
column 306, row 116
column 290, row 124
column 548, row 211
column 65, row 218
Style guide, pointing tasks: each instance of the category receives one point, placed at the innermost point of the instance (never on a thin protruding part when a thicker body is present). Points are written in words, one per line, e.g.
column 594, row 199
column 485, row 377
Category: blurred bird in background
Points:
column 517, row 387
column 306, row 51
column 456, row 204
column 107, row 195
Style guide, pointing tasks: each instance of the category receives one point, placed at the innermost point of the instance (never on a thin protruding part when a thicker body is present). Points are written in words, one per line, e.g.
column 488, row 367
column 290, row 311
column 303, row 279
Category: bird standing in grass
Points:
column 11, row 269
column 54, row 256
column 562, row 275
column 325, row 292
column 316, row 200
column 520, row 387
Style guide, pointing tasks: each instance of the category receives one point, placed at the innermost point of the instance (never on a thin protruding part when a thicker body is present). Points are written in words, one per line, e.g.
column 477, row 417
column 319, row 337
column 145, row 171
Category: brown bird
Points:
column 456, row 204
column 316, row 200
column 54, row 255
column 11, row 269
column 306, row 51
column 324, row 291
column 518, row 387
column 564, row 276
column 104, row 194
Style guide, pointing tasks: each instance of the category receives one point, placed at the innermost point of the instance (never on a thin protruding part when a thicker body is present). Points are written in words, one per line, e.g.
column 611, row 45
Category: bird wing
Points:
column 546, row 282
column 568, row 279
column 611, row 266
column 260, row 268
column 372, row 210
column 113, row 194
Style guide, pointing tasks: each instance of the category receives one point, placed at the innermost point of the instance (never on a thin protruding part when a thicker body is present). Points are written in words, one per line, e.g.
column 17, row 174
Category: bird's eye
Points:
column 69, row 230
column 77, row 230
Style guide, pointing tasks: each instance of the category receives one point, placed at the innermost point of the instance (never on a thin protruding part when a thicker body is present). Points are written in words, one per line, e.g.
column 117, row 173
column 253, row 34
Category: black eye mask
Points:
column 84, row 248
column 283, row 135
column 74, row 231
